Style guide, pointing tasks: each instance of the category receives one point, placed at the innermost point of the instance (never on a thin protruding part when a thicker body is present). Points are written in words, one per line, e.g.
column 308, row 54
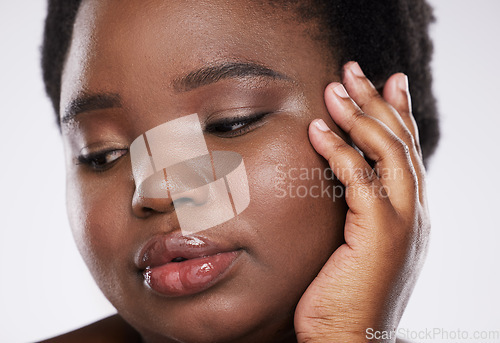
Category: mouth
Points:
column 175, row 265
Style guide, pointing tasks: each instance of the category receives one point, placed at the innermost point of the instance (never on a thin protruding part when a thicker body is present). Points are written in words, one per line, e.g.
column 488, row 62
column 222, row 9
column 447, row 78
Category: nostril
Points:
column 179, row 259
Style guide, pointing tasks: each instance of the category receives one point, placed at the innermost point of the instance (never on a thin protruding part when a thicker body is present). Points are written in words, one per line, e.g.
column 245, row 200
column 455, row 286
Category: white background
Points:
column 45, row 289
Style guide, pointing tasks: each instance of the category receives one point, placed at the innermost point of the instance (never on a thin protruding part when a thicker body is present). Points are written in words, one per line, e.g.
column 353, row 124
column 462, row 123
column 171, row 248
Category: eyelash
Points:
column 92, row 160
column 247, row 124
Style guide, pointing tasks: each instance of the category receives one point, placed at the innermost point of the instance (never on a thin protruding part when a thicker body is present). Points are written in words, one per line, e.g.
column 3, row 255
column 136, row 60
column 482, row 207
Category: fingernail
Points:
column 403, row 83
column 320, row 124
column 356, row 69
column 340, row 91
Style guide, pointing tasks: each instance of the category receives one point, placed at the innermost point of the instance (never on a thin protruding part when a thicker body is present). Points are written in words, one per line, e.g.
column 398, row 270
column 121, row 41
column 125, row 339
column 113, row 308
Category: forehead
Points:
column 142, row 45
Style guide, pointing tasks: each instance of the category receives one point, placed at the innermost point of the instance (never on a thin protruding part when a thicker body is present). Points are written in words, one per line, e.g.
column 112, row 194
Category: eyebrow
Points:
column 213, row 74
column 194, row 79
column 90, row 102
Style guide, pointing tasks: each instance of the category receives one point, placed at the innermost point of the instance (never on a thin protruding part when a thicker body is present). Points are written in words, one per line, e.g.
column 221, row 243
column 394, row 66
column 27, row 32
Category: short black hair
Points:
column 384, row 37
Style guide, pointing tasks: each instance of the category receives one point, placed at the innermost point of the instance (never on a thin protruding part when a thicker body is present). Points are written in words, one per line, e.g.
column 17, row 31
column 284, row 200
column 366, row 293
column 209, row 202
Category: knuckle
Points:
column 336, row 147
column 356, row 118
column 412, row 126
column 397, row 147
column 374, row 95
column 361, row 176
column 371, row 96
column 412, row 143
column 408, row 138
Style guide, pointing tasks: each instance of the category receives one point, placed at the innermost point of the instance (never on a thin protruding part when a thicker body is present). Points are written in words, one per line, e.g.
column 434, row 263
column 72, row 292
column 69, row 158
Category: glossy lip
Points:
column 204, row 263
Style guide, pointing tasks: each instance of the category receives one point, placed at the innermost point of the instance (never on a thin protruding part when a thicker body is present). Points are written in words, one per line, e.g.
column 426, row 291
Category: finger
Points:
column 378, row 143
column 363, row 188
column 364, row 93
column 397, row 93
column 371, row 102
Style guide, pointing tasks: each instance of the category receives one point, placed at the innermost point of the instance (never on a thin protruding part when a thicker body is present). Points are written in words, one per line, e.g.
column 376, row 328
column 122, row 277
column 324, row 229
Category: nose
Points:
column 174, row 187
column 159, row 165
column 144, row 207
column 152, row 196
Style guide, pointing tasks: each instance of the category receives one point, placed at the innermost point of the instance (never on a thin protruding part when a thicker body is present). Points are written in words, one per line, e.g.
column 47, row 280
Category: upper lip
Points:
column 164, row 248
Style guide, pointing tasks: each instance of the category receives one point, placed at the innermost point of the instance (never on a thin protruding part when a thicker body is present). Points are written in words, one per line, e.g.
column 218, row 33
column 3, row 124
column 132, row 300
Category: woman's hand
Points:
column 363, row 289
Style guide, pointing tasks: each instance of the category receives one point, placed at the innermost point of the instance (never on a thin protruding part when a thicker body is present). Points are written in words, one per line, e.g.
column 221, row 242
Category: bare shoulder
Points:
column 112, row 329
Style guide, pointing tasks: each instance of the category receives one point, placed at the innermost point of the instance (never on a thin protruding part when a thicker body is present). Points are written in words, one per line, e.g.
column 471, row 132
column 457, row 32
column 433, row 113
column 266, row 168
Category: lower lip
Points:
column 190, row 276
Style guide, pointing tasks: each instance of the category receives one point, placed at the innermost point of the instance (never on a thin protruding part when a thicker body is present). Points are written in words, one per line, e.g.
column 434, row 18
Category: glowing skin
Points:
column 136, row 55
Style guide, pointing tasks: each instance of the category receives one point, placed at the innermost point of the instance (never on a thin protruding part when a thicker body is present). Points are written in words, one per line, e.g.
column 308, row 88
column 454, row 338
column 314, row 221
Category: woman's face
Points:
column 125, row 74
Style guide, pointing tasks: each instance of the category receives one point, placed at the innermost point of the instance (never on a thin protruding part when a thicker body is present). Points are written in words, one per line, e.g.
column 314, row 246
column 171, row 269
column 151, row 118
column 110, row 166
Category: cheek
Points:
column 98, row 213
column 298, row 225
